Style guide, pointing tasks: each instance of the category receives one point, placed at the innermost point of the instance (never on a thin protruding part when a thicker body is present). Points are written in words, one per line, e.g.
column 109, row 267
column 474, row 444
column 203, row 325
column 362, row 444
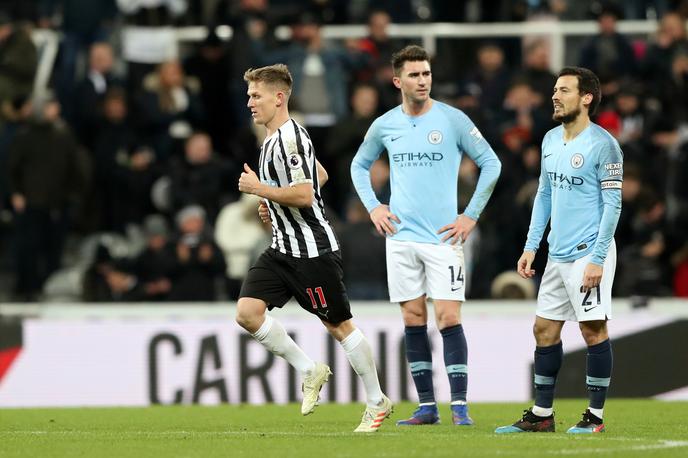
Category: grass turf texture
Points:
column 634, row 428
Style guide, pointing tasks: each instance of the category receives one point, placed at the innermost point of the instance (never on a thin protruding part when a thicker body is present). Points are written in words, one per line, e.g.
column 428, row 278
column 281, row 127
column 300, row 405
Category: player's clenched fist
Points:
column 248, row 181
column 264, row 212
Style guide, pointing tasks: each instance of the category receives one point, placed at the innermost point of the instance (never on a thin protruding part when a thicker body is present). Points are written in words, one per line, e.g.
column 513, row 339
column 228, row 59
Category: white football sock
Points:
column 275, row 339
column 542, row 411
column 596, row 412
column 360, row 357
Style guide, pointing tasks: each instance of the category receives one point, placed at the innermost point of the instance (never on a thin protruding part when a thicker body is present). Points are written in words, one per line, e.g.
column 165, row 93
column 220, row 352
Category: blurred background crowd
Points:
column 118, row 179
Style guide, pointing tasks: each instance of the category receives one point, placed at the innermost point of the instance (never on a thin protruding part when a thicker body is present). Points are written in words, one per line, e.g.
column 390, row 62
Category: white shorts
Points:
column 415, row 269
column 561, row 299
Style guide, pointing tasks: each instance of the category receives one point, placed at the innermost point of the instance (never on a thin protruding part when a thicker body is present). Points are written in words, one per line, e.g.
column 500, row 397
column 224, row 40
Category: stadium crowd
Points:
column 120, row 182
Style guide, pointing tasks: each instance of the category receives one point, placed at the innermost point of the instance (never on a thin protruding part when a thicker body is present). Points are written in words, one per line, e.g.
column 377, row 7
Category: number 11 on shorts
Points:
column 321, row 297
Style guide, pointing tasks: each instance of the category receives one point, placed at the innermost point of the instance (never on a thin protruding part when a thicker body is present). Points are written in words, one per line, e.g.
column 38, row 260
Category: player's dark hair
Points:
column 411, row 53
column 588, row 83
column 276, row 75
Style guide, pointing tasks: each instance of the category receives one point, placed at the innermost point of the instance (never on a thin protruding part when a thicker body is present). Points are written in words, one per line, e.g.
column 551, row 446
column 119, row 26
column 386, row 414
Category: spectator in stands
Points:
column 91, row 92
column 210, row 64
column 489, row 81
column 148, row 38
column 114, row 138
column 239, row 233
column 18, row 62
column 630, row 192
column 253, row 25
column 378, row 45
column 320, row 72
column 344, row 140
column 645, row 268
column 536, row 68
column 202, row 177
column 365, row 272
column 132, row 176
column 672, row 88
column 198, row 259
column 609, row 53
column 154, row 266
column 669, row 41
column 48, row 176
column 82, row 23
column 169, row 109
column 105, row 280
column 628, row 106
column 522, row 119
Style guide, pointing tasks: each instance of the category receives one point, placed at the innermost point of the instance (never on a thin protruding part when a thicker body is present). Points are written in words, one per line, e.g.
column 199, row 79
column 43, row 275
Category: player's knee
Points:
column 545, row 335
column 446, row 320
column 246, row 316
column 593, row 334
column 414, row 318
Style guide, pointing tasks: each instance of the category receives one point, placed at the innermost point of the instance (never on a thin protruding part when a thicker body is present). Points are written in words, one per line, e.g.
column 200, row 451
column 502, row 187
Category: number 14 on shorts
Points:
column 458, row 278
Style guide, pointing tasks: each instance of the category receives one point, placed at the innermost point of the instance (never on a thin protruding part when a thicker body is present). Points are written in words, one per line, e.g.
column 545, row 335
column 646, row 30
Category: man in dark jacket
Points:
column 48, row 174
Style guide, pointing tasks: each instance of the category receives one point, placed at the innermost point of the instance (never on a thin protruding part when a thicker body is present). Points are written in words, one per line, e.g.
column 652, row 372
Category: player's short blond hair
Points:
column 275, row 75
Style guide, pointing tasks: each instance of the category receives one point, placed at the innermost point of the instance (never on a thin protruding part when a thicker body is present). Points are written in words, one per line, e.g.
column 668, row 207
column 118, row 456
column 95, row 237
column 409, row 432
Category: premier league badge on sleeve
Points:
column 295, row 161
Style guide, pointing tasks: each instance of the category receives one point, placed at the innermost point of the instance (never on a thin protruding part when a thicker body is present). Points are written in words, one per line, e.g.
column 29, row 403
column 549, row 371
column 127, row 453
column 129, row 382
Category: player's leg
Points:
column 598, row 377
column 318, row 286
column 553, row 309
column 419, row 356
column 360, row 356
column 593, row 309
column 264, row 285
column 406, row 283
column 448, row 315
column 271, row 334
column 445, row 276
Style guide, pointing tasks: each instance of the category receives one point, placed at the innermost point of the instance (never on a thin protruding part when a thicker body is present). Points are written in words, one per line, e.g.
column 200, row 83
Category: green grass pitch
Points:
column 634, row 428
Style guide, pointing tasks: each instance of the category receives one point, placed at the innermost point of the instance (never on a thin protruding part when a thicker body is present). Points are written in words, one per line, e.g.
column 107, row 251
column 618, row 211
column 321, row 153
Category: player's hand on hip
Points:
column 263, row 212
column 524, row 263
column 459, row 230
column 592, row 277
column 248, row 181
column 384, row 220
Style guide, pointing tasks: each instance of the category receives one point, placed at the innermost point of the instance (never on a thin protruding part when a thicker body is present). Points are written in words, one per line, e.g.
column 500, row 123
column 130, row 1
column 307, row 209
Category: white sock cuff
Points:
column 352, row 340
column 264, row 329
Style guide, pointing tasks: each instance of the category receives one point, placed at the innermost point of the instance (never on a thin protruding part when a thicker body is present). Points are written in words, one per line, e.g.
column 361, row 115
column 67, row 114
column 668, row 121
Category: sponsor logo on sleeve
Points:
column 614, row 169
column 611, row 184
column 476, row 133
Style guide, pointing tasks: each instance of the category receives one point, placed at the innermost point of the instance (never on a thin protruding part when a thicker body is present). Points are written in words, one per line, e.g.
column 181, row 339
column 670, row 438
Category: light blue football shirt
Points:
column 580, row 189
column 424, row 154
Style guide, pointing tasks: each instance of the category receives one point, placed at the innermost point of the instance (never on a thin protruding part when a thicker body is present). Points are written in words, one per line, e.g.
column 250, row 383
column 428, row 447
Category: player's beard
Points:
column 568, row 117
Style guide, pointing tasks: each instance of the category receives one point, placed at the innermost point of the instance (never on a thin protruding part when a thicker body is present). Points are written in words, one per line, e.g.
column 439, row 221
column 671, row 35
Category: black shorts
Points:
column 316, row 284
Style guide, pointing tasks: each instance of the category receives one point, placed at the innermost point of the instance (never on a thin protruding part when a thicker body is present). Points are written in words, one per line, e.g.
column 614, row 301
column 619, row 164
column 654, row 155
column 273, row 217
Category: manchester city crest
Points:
column 435, row 137
column 577, row 161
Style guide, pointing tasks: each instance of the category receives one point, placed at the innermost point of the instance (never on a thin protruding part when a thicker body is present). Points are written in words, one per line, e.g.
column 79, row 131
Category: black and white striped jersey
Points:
column 287, row 159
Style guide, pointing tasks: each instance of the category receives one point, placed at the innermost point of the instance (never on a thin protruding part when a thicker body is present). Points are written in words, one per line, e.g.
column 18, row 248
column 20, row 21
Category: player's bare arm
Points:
column 297, row 196
column 459, row 230
column 592, row 276
column 524, row 263
column 322, row 174
column 384, row 220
